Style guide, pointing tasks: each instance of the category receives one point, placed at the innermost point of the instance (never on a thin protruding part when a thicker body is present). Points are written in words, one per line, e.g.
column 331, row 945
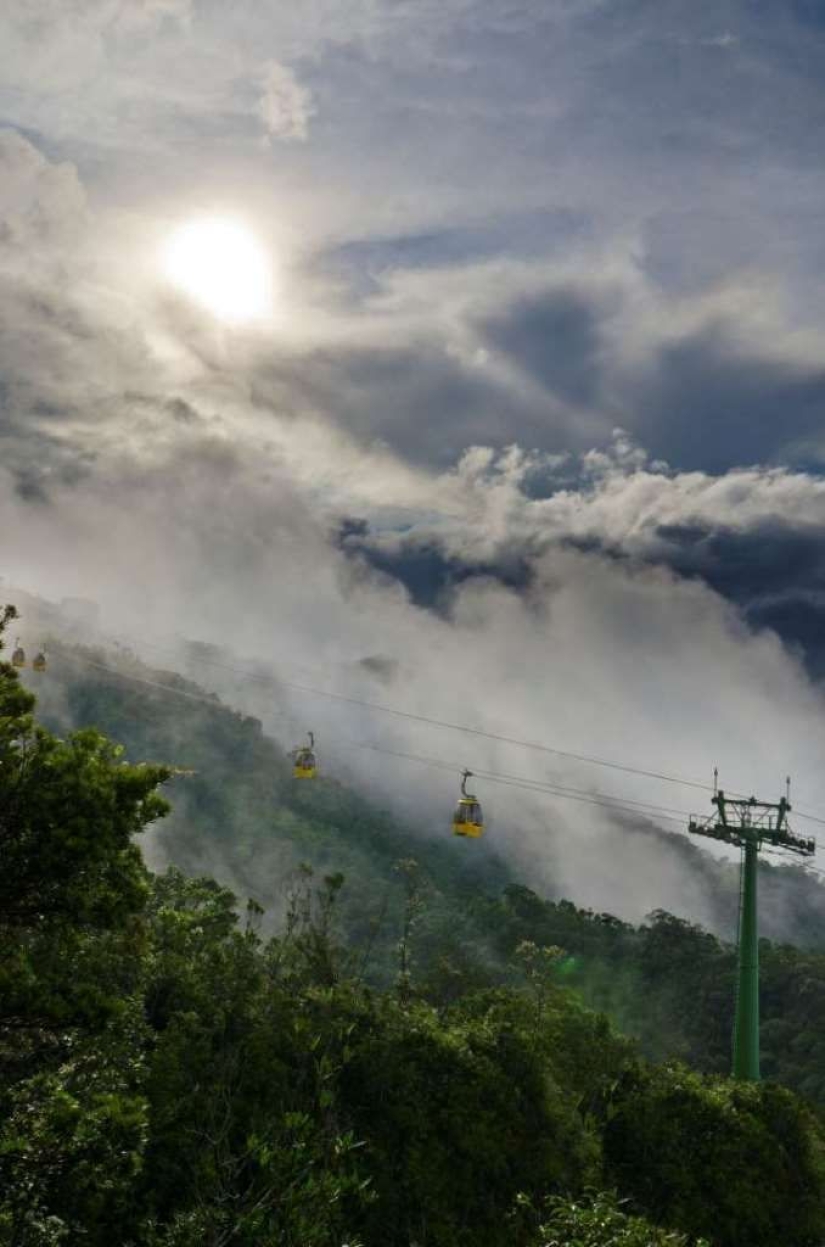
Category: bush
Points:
column 742, row 1163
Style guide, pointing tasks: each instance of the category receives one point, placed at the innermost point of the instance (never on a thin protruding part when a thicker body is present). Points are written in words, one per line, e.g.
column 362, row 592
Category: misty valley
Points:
column 294, row 1019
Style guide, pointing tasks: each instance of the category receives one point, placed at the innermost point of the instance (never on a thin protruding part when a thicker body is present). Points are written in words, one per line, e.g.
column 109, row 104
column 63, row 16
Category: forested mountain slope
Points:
column 241, row 817
column 239, row 778
column 170, row 1078
column 238, row 814
column 252, row 820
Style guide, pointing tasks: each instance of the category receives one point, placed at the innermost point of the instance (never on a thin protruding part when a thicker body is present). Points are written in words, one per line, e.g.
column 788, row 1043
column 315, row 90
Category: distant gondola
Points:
column 468, row 819
column 305, row 765
column 18, row 658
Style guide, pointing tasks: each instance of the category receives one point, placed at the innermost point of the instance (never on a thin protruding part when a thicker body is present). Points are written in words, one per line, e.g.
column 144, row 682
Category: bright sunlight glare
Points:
column 221, row 265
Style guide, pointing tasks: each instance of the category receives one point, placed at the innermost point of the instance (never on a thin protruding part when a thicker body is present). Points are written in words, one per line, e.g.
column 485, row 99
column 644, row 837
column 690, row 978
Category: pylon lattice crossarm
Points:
column 748, row 821
column 739, row 836
column 749, row 824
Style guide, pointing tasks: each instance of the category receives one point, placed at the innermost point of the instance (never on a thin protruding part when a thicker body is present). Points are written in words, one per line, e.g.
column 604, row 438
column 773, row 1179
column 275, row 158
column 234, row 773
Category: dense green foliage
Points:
column 174, row 1075
column 668, row 983
column 73, row 884
column 599, row 1222
column 671, row 985
column 718, row 1157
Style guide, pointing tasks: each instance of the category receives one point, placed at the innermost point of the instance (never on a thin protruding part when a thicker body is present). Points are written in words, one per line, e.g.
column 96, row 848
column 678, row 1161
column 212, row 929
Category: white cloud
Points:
column 39, row 200
column 215, row 539
column 724, row 40
column 189, row 480
column 286, row 106
column 59, row 44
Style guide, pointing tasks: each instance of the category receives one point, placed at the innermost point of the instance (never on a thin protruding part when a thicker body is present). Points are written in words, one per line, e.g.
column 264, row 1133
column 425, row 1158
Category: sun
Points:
column 221, row 265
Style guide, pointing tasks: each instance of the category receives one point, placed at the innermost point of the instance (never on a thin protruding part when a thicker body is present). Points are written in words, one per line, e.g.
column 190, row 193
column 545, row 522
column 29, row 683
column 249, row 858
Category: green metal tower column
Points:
column 746, row 1024
column 749, row 824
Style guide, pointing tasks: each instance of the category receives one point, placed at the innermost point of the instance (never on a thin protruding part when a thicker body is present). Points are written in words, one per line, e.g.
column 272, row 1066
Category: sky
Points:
column 531, row 418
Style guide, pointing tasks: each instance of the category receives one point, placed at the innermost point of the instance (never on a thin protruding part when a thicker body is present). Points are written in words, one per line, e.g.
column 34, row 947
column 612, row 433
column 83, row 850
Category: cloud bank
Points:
column 533, row 438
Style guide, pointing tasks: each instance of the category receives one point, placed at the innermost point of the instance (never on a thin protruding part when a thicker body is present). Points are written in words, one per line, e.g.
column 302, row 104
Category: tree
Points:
column 600, row 1221
column 742, row 1163
column 72, row 884
column 69, row 811
column 458, row 1113
column 247, row 1146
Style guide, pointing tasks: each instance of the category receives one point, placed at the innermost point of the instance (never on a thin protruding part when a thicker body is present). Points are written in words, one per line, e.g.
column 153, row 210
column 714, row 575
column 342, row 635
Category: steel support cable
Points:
column 620, row 804
column 413, row 716
column 811, row 818
column 212, row 701
column 275, row 681
column 532, row 784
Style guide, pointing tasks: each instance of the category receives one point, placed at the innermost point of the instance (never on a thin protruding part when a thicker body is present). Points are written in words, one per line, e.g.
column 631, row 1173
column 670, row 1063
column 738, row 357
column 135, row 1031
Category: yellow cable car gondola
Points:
column 39, row 661
column 305, row 765
column 18, row 658
column 468, row 819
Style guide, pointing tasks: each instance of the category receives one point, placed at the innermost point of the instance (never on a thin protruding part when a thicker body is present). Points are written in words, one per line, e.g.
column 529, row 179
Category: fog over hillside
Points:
column 514, row 424
column 627, row 860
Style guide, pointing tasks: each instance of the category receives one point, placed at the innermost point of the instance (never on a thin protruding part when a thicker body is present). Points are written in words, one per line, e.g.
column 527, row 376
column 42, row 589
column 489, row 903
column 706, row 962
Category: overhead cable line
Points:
column 507, row 740
column 534, row 785
column 212, row 701
column 619, row 804
column 457, row 727
column 431, row 721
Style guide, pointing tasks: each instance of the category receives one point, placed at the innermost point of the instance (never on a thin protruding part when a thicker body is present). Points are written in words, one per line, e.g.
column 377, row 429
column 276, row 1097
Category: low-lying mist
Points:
column 613, row 659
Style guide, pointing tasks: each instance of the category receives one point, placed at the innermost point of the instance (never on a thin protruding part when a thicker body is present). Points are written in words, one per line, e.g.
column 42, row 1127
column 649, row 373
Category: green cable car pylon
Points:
column 749, row 824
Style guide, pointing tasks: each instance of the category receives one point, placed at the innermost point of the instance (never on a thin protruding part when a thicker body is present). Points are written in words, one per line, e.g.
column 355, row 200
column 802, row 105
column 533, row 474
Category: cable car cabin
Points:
column 18, row 658
column 305, row 765
column 468, row 819
column 39, row 661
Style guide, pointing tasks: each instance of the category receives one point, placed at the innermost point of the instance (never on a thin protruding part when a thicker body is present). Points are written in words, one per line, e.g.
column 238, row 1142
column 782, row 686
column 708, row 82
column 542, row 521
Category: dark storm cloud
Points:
column 424, row 401
column 754, row 537
column 710, row 404
column 549, row 370
column 556, row 338
column 381, row 668
column 428, row 571
column 556, row 367
column 775, row 574
column 703, row 398
column 364, row 263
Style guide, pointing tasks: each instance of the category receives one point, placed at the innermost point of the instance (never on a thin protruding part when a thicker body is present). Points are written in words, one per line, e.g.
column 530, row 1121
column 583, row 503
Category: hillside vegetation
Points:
column 405, row 1053
column 240, row 815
